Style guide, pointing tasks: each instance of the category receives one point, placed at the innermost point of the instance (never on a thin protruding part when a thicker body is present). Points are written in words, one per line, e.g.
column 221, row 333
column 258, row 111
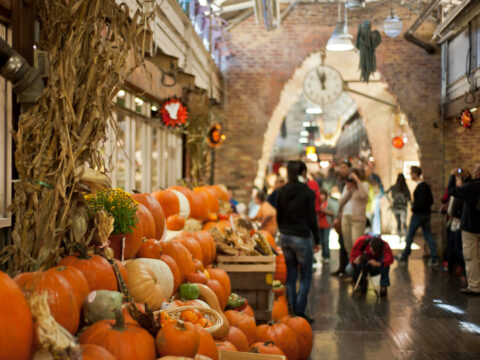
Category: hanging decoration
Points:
column 466, row 118
column 398, row 142
column 173, row 112
column 367, row 42
column 215, row 135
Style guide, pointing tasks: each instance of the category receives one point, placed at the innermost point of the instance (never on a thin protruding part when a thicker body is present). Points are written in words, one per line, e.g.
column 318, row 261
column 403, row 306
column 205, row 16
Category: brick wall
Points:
column 265, row 61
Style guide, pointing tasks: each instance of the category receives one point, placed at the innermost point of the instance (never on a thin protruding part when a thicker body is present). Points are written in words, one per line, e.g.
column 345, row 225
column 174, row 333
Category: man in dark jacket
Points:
column 297, row 222
column 469, row 224
column 422, row 201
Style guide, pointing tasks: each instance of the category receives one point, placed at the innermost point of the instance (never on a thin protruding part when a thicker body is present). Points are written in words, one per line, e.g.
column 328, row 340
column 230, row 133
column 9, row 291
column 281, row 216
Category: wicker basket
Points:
column 175, row 311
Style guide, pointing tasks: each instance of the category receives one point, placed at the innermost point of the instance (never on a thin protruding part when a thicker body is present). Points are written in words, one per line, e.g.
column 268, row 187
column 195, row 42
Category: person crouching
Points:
column 373, row 255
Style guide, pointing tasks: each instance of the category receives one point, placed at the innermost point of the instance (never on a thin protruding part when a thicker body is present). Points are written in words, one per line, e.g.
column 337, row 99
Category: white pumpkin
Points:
column 183, row 203
column 149, row 281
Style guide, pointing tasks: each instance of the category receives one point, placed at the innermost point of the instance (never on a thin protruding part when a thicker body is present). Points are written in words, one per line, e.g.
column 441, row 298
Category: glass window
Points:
column 457, row 57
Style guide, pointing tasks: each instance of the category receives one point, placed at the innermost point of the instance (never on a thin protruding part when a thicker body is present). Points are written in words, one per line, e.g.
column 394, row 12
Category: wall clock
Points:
column 323, row 85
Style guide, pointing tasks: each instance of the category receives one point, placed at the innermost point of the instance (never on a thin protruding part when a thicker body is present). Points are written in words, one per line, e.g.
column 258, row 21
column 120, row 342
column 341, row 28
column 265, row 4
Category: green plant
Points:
column 118, row 204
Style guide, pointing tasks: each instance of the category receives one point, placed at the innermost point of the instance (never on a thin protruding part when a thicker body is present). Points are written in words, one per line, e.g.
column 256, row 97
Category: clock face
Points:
column 323, row 85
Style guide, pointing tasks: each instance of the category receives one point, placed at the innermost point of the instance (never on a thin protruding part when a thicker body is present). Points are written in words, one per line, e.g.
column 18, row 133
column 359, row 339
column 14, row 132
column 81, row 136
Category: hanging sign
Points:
column 215, row 136
column 466, row 118
column 174, row 113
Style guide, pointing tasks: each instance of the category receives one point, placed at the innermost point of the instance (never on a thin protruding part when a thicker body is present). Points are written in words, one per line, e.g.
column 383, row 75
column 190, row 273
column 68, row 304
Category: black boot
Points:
column 383, row 291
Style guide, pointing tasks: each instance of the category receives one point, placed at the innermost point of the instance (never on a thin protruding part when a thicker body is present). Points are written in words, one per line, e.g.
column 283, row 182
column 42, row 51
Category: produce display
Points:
column 166, row 300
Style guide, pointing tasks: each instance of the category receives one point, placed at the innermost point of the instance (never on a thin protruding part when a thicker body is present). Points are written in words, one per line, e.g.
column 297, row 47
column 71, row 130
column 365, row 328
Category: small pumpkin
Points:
column 95, row 352
column 249, row 311
column 225, row 346
column 199, row 206
column 77, row 281
column 280, row 308
column 156, row 210
column 282, row 336
column 147, row 221
column 207, row 345
column 243, row 322
column 189, row 291
column 149, row 281
column 304, row 333
column 267, row 347
column 175, row 222
column 16, row 324
column 237, row 338
column 177, row 278
column 197, row 277
column 150, row 248
column 124, row 341
column 100, row 305
column 178, row 338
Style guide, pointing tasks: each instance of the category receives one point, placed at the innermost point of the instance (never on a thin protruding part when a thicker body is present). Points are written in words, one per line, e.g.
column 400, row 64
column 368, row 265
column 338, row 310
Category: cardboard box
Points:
column 231, row 355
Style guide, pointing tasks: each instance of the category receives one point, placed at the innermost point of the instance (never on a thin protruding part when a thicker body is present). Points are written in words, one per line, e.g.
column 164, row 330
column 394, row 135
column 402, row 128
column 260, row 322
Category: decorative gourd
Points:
column 304, row 333
column 267, row 236
column 16, row 324
column 61, row 298
column 95, row 352
column 243, row 322
column 225, row 346
column 147, row 221
column 280, row 308
column 189, row 291
column 156, row 210
column 267, row 347
column 210, row 298
column 207, row 345
column 193, row 246
column 149, row 281
column 100, row 305
column 173, row 202
column 237, row 338
column 181, row 255
column 76, row 280
column 177, row 278
column 222, row 277
column 197, row 277
column 96, row 269
column 218, row 290
column 150, row 248
column 178, row 338
column 282, row 336
column 175, row 222
column 124, row 341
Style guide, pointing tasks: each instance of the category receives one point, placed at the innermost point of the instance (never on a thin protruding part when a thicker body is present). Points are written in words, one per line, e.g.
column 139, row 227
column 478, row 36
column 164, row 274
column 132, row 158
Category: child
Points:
column 326, row 217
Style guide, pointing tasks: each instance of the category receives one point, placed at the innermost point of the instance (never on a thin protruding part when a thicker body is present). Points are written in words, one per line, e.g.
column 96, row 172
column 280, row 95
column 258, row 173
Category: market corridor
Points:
column 424, row 316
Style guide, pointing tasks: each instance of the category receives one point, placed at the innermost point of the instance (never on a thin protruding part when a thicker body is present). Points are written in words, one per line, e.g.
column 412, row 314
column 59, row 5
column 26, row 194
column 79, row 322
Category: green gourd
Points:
column 101, row 305
column 189, row 291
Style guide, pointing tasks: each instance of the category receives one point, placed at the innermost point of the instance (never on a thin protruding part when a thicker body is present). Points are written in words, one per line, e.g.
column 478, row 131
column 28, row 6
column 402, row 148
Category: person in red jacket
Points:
column 374, row 255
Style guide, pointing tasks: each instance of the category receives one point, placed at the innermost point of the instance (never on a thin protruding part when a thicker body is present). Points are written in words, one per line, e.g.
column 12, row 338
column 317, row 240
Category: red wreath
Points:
column 466, row 118
column 174, row 113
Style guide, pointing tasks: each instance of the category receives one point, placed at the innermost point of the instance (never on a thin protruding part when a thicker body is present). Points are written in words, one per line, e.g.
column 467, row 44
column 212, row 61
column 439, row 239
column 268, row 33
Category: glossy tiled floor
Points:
column 424, row 317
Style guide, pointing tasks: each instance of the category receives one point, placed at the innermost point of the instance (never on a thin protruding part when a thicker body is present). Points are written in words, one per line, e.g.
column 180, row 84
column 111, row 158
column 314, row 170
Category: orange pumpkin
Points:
column 222, row 277
column 218, row 290
column 177, row 276
column 173, row 202
column 280, row 267
column 304, row 333
column 97, row 270
column 133, row 241
column 199, row 265
column 197, row 277
column 95, row 352
column 148, row 224
column 207, row 345
column 213, row 203
column 156, row 210
column 61, row 297
column 221, row 193
column 179, row 339
column 199, row 206
column 150, row 248
column 237, row 338
column 206, row 242
column 282, row 336
column 225, row 346
column 181, row 255
column 280, row 308
column 77, row 282
column 249, row 311
column 175, row 222
column 192, row 245
column 16, row 324
column 267, row 347
column 124, row 341
column 244, row 322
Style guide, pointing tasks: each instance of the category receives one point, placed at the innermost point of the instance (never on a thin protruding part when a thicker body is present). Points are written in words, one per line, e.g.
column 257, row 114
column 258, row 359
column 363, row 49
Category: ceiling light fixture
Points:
column 139, row 101
column 303, row 140
column 121, row 93
column 392, row 25
column 340, row 40
column 314, row 110
column 304, row 133
column 306, row 124
column 355, row 4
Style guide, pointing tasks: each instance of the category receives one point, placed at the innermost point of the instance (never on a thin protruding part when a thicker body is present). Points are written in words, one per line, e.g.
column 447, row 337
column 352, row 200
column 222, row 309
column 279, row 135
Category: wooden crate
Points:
column 231, row 355
column 252, row 277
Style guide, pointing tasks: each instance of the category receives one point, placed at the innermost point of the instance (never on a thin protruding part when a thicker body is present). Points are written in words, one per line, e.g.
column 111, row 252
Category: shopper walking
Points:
column 297, row 223
column 470, row 225
column 325, row 221
column 422, row 202
column 400, row 199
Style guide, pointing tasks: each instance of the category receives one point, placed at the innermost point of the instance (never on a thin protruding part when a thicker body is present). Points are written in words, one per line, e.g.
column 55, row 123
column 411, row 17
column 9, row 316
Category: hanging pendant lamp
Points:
column 355, row 4
column 340, row 40
column 392, row 25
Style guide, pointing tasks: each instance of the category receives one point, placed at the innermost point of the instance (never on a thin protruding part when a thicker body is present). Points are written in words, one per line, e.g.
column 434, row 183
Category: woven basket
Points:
column 212, row 315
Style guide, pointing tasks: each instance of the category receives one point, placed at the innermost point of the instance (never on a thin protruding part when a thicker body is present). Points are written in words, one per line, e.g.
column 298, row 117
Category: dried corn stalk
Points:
column 92, row 46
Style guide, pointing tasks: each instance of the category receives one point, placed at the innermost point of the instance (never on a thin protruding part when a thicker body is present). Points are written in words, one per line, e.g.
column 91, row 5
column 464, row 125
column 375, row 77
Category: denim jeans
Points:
column 355, row 270
column 420, row 220
column 298, row 253
column 324, row 236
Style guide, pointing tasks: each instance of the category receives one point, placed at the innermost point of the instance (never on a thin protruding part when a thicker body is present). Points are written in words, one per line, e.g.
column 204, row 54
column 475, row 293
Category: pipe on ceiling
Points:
column 420, row 20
